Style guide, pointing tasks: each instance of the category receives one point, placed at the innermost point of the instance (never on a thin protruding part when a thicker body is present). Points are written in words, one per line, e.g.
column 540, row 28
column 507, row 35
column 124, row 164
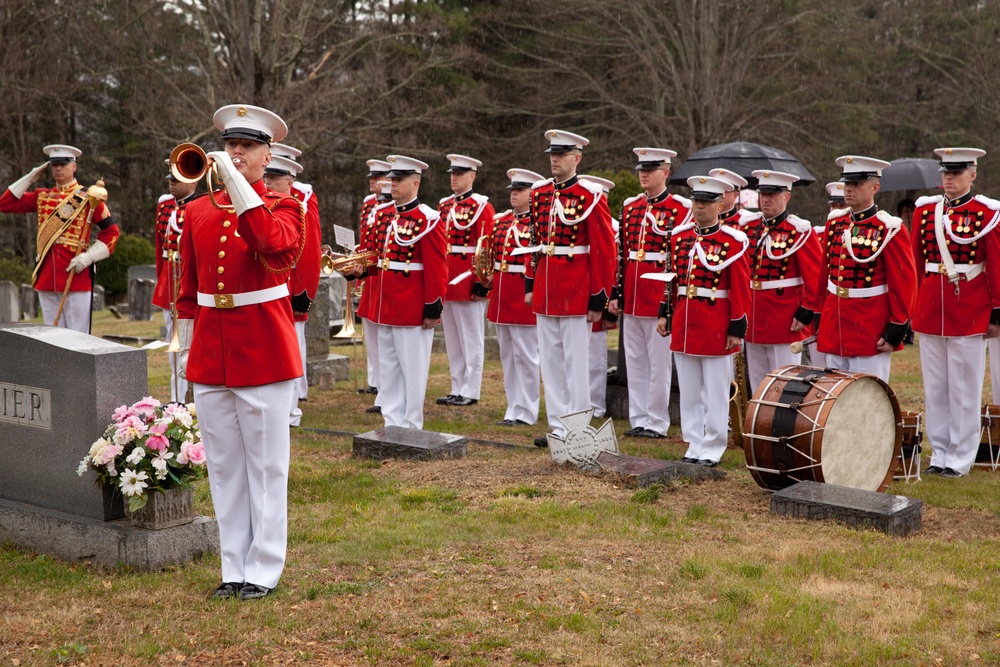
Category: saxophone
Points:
column 738, row 400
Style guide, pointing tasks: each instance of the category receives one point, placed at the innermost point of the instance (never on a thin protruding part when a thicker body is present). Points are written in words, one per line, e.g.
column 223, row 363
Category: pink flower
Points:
column 121, row 413
column 128, row 430
column 146, row 407
column 193, row 453
column 156, row 440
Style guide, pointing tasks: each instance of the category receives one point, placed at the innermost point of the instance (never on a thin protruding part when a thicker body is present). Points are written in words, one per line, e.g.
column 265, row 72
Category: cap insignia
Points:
column 242, row 111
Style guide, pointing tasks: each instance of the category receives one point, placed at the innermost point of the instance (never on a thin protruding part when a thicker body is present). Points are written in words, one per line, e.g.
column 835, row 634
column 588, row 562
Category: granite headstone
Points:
column 397, row 442
column 98, row 302
column 29, row 302
column 10, row 302
column 140, row 300
column 642, row 471
column 895, row 515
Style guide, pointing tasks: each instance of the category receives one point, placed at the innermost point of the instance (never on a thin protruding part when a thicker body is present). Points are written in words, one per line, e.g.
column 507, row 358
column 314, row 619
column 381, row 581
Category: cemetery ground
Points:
column 501, row 558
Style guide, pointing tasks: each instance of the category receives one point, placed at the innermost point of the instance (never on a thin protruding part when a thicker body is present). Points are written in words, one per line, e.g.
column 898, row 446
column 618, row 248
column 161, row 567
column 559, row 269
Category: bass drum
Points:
column 822, row 425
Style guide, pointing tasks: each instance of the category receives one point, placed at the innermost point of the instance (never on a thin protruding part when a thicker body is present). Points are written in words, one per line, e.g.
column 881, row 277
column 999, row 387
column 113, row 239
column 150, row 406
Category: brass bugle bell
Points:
column 189, row 163
column 353, row 264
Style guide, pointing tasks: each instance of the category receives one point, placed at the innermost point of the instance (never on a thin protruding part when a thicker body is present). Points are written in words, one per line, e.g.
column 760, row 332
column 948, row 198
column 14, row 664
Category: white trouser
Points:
column 562, row 354
column 817, row 358
column 762, row 359
column 993, row 345
column 953, row 370
column 597, row 364
column 464, row 331
column 178, row 385
column 647, row 357
column 245, row 431
column 75, row 314
column 877, row 364
column 404, row 355
column 370, row 330
column 519, row 358
column 299, row 386
column 704, row 421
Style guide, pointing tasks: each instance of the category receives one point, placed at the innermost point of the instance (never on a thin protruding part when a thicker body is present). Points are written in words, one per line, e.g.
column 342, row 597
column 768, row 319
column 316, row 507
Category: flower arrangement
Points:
column 148, row 447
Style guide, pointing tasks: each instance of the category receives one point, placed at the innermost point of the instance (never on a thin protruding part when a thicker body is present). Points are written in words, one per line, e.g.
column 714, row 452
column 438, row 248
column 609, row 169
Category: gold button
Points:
column 221, row 286
column 223, row 239
column 221, row 269
column 222, row 253
column 226, row 224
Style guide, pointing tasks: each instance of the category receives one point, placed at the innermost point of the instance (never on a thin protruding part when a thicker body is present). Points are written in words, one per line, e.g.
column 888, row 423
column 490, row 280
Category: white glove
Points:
column 21, row 185
column 94, row 253
column 184, row 330
column 240, row 192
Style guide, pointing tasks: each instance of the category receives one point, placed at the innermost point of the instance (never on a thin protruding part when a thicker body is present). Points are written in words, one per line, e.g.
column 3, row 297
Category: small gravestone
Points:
column 142, row 272
column 336, row 291
column 318, row 324
column 641, row 471
column 895, row 515
column 97, row 302
column 140, row 300
column 336, row 366
column 29, row 302
column 397, row 442
column 10, row 302
column 583, row 443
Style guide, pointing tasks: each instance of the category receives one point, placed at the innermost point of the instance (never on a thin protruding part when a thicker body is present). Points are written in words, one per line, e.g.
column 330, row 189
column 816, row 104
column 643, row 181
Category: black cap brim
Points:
column 561, row 148
column 61, row 160
column 955, row 166
column 246, row 133
column 458, row 170
column 701, row 195
column 859, row 176
column 377, row 174
column 519, row 185
column 771, row 189
column 276, row 172
column 651, row 166
column 835, row 200
column 401, row 173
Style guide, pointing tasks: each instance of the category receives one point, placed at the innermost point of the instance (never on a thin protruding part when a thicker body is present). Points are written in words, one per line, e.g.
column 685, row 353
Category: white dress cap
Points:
column 735, row 180
column 773, row 181
column 282, row 166
column 284, row 150
column 245, row 121
column 386, row 187
column 604, row 183
column 835, row 190
column 653, row 158
column 61, row 153
column 561, row 141
column 405, row 166
column 461, row 163
column 958, row 159
column 856, row 168
column 378, row 168
column 522, row 178
column 708, row 188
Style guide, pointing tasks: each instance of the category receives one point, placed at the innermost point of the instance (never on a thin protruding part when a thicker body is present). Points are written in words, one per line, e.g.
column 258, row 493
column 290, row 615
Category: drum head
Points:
column 860, row 437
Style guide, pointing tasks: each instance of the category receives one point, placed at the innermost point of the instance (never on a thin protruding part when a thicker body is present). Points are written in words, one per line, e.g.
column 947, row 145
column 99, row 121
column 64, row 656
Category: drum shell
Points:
column 988, row 455
column 768, row 461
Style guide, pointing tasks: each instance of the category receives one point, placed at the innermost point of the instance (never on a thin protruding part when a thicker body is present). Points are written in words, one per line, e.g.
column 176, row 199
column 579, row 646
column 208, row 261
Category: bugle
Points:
column 189, row 163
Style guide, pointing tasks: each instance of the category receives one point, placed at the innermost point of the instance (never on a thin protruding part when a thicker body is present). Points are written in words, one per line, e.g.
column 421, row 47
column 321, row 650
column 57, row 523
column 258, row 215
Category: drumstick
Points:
column 796, row 347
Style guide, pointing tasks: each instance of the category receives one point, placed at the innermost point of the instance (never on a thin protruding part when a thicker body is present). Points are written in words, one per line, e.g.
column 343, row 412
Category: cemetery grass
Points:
column 504, row 559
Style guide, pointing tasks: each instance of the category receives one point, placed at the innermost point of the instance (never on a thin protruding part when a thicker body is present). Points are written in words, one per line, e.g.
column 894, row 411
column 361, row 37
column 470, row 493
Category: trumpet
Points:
column 353, row 264
column 189, row 163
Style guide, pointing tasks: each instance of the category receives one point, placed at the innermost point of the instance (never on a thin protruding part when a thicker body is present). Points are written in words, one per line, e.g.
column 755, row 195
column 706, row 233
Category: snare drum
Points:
column 821, row 425
column 988, row 455
column 908, row 463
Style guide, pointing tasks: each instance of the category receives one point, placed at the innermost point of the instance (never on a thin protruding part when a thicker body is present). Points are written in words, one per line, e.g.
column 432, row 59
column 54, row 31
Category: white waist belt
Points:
column 402, row 266
column 856, row 292
column 509, row 268
column 970, row 271
column 648, row 257
column 690, row 291
column 564, row 249
column 462, row 249
column 243, row 298
column 775, row 284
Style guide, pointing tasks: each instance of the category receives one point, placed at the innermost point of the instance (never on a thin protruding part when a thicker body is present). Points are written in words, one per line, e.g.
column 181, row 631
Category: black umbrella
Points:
column 911, row 173
column 741, row 157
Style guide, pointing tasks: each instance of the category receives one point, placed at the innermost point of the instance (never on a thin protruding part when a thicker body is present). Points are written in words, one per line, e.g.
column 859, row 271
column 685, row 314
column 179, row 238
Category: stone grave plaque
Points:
column 397, row 442
column 142, row 272
column 98, row 300
column 140, row 300
column 318, row 324
column 29, row 302
column 641, row 471
column 337, row 365
column 58, row 389
column 895, row 515
column 10, row 302
column 583, row 444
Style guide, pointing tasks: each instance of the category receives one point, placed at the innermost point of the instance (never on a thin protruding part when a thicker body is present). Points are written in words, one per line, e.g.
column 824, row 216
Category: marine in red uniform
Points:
column 517, row 336
column 412, row 280
column 958, row 304
column 706, row 310
column 644, row 247
column 464, row 214
column 868, row 275
column 66, row 220
column 785, row 258
column 370, row 236
column 169, row 224
column 571, row 274
column 835, row 200
column 732, row 214
column 238, row 346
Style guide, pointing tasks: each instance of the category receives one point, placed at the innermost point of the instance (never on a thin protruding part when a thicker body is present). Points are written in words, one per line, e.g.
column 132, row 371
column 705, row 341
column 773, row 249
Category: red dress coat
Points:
column 404, row 296
column 783, row 249
column 865, row 250
column 565, row 279
column 223, row 253
column 506, row 233
column 377, row 216
column 463, row 217
column 169, row 225
column 708, row 262
column 52, row 273
column 644, row 247
column 304, row 277
column 973, row 243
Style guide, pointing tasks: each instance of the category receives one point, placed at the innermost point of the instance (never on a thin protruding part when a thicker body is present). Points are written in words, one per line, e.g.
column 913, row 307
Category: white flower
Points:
column 96, row 448
column 84, row 465
column 133, row 483
column 190, row 408
column 160, row 465
column 137, row 454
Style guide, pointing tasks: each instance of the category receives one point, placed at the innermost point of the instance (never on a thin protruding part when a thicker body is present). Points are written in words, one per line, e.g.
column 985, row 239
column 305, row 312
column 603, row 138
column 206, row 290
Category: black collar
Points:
column 408, row 206
column 706, row 231
column 463, row 196
column 731, row 213
column 381, row 198
column 523, row 215
column 658, row 198
column 185, row 200
column 777, row 220
column 960, row 201
column 865, row 214
column 567, row 183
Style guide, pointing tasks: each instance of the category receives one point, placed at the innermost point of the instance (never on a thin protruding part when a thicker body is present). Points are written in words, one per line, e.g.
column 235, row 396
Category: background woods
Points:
column 126, row 80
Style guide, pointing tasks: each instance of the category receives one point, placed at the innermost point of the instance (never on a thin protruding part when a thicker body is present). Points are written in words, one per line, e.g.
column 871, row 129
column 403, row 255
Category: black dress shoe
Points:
column 462, row 400
column 506, row 422
column 226, row 590
column 950, row 472
column 650, row 433
column 446, row 400
column 688, row 459
column 541, row 442
column 632, row 432
column 521, row 422
column 933, row 470
column 374, row 410
column 371, row 390
column 707, row 463
column 254, row 592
